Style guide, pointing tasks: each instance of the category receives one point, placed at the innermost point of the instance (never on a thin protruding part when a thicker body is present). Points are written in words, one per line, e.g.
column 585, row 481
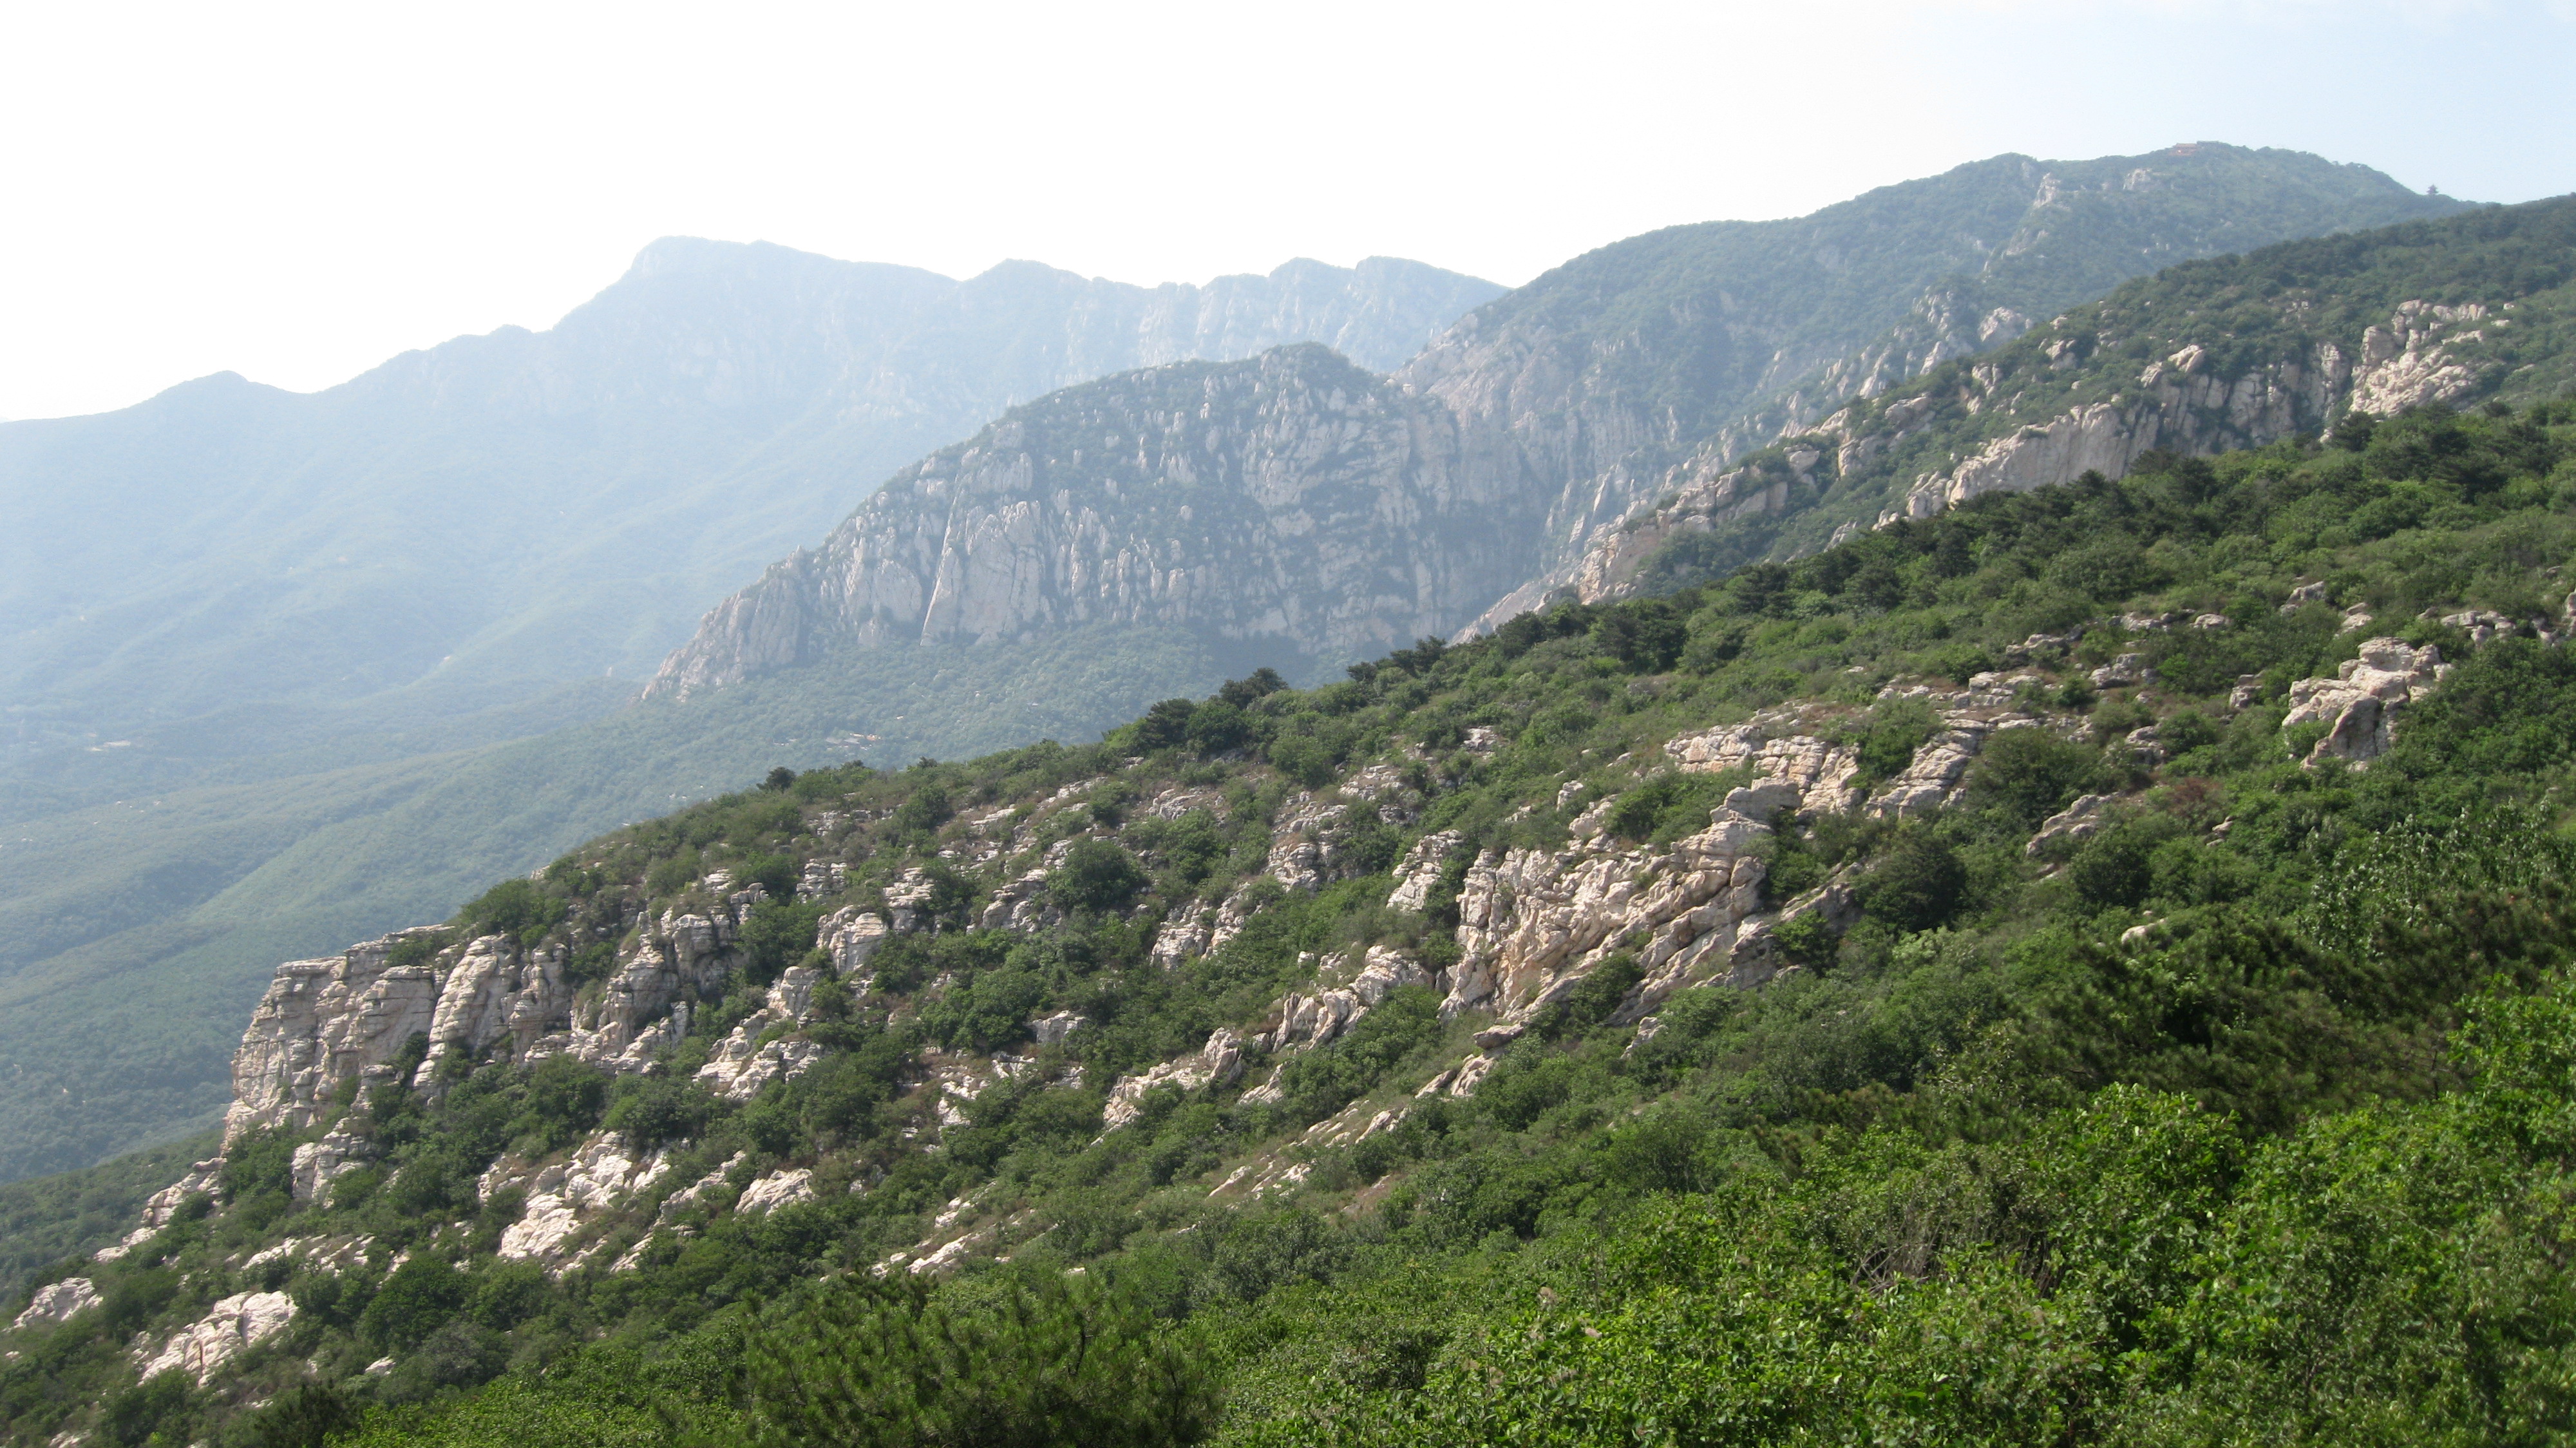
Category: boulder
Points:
column 2359, row 703
column 230, row 1327
column 2078, row 821
column 58, row 1302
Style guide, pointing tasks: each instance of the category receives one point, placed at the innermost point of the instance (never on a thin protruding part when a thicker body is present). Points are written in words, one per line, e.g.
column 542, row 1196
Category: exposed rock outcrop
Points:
column 2078, row 821
column 2359, row 704
column 1932, row 779
column 317, row 1164
column 229, row 1328
column 1533, row 923
column 1292, row 497
column 1218, row 1063
column 58, row 1302
column 1419, row 872
column 1791, row 767
column 2185, row 401
column 566, row 1196
column 326, row 1022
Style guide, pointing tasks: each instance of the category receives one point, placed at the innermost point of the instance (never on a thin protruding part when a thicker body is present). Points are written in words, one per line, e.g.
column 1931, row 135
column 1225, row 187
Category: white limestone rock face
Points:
column 1021, row 905
column 1418, row 873
column 778, row 1189
column 1934, row 778
column 229, row 1328
column 739, row 1069
column 321, row 1023
column 850, row 935
column 58, row 1302
column 1790, row 767
column 1533, row 923
column 162, row 1207
column 317, row 1164
column 1325, row 505
column 2360, row 702
column 1218, row 1063
column 2078, row 821
column 496, row 991
column 1052, row 1030
column 1758, row 955
column 2405, row 364
column 1306, row 841
column 687, row 953
column 328, row 1021
column 1304, row 1021
column 602, row 1173
column 1183, row 938
column 743, row 1062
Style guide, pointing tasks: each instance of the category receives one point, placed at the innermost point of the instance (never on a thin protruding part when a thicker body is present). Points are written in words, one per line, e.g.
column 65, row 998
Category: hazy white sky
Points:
column 296, row 192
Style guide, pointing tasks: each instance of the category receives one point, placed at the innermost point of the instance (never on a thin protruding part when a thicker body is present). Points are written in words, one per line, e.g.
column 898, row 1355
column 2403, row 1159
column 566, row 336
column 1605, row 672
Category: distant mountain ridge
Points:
column 1551, row 413
column 715, row 405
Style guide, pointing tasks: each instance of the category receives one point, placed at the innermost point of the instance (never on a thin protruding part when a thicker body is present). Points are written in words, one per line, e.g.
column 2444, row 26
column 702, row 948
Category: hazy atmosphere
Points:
column 1380, row 726
column 296, row 192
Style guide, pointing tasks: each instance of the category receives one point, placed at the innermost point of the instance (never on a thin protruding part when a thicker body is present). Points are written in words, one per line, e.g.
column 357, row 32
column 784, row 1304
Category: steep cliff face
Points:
column 2225, row 354
column 1293, row 497
column 326, row 1023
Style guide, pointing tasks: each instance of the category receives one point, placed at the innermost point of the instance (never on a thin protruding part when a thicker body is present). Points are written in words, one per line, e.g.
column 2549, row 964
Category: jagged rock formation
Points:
column 2163, row 364
column 1533, row 924
column 2184, row 406
column 58, row 1302
column 2360, row 702
column 1798, row 768
column 347, row 1017
column 229, row 1328
column 560, row 1198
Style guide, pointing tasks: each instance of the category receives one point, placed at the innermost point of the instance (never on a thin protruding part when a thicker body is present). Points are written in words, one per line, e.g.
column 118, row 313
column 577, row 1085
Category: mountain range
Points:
column 2087, row 964
column 329, row 707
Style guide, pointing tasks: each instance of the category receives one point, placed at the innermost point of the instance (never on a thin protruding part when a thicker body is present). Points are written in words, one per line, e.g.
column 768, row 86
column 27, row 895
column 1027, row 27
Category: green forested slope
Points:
column 386, row 608
column 2243, row 1118
column 188, row 899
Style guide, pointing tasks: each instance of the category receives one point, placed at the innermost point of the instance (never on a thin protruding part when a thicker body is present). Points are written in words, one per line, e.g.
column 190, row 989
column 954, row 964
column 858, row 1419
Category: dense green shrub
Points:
column 1096, row 875
column 1040, row 1362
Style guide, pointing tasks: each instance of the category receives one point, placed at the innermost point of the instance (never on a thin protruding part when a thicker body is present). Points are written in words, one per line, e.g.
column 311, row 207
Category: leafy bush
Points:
column 1096, row 875
column 1919, row 886
column 516, row 908
column 2030, row 774
column 653, row 1110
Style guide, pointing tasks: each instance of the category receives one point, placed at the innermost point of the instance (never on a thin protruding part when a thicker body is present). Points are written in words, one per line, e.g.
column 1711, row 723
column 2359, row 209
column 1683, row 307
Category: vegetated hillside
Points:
column 2088, row 965
column 347, row 762
column 2225, row 353
column 240, row 627
column 342, row 854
